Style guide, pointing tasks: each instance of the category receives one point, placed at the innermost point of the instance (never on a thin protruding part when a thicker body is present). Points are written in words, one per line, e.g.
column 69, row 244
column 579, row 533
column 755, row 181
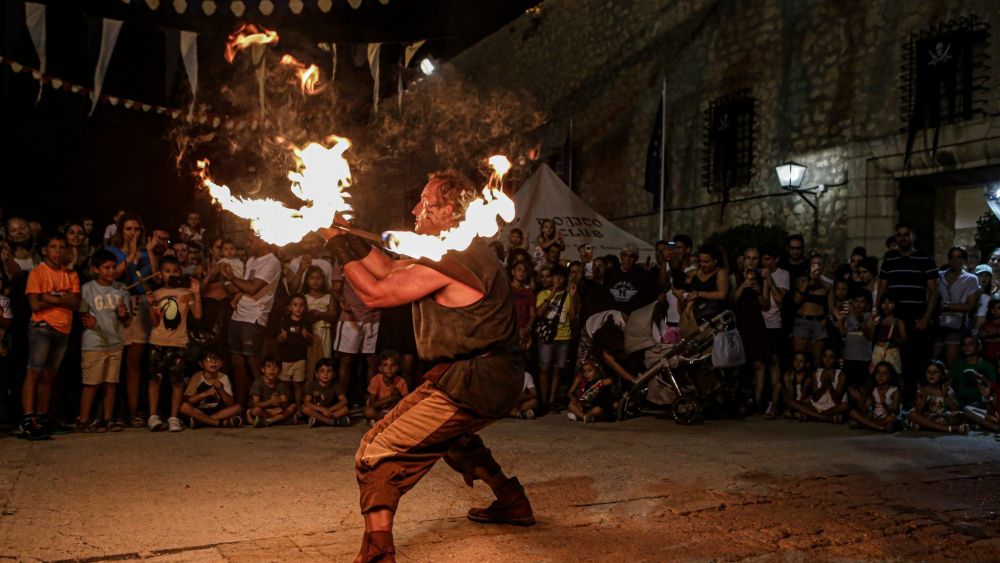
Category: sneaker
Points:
column 344, row 421
column 32, row 430
column 259, row 421
column 233, row 422
column 155, row 424
column 175, row 424
column 571, row 416
column 311, row 422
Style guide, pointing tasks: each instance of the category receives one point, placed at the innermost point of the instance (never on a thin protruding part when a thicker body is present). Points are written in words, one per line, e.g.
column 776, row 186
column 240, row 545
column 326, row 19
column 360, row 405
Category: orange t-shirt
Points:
column 378, row 388
column 43, row 279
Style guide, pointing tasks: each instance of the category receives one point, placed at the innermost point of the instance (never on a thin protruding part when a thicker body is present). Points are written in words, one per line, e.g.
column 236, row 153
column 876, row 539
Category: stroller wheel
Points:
column 685, row 410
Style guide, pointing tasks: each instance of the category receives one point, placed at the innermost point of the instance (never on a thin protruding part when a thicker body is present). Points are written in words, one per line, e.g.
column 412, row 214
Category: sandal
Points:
column 117, row 425
column 99, row 426
column 960, row 429
column 84, row 425
column 138, row 422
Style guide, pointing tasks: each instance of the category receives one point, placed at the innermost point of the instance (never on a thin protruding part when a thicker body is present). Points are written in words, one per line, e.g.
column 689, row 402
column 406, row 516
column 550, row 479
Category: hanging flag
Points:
column 374, row 49
column 654, row 156
column 411, row 50
column 189, row 54
column 109, row 36
column 34, row 16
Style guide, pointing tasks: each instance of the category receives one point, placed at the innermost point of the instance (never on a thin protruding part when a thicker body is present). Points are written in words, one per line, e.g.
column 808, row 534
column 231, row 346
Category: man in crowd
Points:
column 795, row 261
column 464, row 323
column 912, row 278
column 630, row 287
column 246, row 328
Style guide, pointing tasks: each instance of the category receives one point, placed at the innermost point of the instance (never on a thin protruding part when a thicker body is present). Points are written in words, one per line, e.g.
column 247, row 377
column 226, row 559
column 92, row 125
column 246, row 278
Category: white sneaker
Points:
column 155, row 423
column 571, row 416
column 175, row 424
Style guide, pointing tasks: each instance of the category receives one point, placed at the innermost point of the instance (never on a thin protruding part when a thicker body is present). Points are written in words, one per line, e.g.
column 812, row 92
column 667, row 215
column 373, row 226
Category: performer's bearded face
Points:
column 431, row 213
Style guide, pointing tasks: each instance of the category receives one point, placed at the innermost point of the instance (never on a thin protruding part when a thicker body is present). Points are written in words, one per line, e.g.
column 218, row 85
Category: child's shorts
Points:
column 293, row 371
column 46, row 346
column 166, row 361
column 554, row 354
column 101, row 366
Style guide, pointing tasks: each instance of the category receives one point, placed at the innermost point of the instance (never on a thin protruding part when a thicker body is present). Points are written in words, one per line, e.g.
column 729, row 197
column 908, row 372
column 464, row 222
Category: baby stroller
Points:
column 669, row 378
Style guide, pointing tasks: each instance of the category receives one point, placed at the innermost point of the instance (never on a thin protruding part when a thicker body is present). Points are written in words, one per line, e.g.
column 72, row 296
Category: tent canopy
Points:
column 545, row 196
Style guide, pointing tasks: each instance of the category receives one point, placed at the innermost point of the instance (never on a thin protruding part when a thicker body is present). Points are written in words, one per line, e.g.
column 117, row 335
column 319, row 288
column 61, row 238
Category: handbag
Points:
column 545, row 329
column 727, row 349
column 953, row 321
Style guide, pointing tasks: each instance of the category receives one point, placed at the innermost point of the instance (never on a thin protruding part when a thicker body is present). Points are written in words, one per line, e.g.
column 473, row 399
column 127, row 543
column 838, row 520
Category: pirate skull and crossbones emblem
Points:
column 940, row 55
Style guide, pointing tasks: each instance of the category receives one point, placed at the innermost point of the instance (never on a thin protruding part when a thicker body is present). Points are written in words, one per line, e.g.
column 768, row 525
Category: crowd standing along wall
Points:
column 825, row 73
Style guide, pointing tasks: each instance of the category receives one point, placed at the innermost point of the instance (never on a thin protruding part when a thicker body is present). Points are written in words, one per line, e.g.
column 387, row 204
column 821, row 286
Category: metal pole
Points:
column 663, row 150
column 569, row 157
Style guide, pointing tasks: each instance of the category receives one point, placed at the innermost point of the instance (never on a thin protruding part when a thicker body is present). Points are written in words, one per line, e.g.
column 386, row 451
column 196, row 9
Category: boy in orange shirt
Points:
column 386, row 388
column 53, row 294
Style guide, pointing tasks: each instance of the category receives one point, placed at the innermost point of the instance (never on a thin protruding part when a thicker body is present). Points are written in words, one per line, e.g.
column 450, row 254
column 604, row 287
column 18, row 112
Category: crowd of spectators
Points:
column 94, row 325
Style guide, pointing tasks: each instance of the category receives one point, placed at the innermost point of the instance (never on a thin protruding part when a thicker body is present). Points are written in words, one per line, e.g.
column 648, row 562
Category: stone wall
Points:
column 826, row 74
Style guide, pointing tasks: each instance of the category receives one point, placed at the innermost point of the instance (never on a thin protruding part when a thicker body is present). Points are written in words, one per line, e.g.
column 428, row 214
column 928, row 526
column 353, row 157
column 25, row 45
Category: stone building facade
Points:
column 826, row 77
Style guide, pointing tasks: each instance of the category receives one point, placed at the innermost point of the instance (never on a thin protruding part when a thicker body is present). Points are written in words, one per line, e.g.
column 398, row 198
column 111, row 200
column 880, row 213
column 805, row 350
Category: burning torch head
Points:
column 443, row 202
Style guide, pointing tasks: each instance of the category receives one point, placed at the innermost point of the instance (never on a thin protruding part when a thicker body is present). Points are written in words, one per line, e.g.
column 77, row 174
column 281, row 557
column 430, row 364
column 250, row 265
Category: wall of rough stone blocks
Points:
column 826, row 74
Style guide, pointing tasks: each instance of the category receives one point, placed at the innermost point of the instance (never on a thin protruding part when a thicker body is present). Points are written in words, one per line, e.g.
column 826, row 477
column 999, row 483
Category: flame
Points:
column 308, row 75
column 480, row 221
column 247, row 35
column 321, row 174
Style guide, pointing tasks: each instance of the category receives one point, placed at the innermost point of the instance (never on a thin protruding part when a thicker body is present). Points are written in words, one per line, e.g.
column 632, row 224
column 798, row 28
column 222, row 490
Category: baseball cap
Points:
column 984, row 269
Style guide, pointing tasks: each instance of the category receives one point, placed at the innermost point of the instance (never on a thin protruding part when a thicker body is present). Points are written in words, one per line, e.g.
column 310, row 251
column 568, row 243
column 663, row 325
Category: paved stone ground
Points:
column 643, row 490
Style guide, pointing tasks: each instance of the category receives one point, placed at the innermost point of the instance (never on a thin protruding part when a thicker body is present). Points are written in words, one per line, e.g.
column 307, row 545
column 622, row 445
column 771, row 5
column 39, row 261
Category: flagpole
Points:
column 663, row 150
column 569, row 157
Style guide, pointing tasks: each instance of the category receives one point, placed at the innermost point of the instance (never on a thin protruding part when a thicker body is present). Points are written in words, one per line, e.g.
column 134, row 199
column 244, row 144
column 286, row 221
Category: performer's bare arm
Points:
column 406, row 283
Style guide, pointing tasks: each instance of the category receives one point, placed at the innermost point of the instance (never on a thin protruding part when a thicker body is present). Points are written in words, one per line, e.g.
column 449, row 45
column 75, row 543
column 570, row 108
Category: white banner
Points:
column 109, row 36
column 545, row 196
column 34, row 17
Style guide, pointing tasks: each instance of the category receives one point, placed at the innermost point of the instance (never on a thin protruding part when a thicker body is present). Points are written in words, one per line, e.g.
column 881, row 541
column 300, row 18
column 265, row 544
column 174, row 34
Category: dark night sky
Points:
column 57, row 163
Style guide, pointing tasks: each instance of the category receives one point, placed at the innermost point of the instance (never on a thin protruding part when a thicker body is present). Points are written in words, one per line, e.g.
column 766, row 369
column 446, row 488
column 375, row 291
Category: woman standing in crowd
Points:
column 136, row 263
column 809, row 332
column 708, row 285
column 750, row 303
column 77, row 249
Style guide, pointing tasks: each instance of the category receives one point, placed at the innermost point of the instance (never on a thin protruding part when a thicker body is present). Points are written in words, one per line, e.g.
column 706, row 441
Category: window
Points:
column 945, row 74
column 730, row 127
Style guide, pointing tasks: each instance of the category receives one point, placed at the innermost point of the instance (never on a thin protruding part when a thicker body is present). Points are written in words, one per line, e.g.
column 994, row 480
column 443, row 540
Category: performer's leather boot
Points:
column 377, row 547
column 511, row 507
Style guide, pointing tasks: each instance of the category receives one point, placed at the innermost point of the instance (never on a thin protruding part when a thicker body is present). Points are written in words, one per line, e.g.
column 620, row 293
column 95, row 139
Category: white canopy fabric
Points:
column 545, row 196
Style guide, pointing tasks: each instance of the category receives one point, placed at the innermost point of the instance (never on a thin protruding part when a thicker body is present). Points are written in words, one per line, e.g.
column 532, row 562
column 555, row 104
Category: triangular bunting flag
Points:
column 411, row 50
column 109, row 36
column 189, row 54
column 373, row 55
column 34, row 16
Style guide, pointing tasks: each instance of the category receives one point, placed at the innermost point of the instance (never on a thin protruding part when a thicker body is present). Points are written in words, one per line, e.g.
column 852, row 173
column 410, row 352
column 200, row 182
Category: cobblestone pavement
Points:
column 644, row 490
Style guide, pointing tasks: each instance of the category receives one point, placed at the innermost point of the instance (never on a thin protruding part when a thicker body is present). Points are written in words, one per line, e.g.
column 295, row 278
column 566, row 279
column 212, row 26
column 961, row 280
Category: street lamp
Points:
column 790, row 176
column 992, row 193
column 427, row 67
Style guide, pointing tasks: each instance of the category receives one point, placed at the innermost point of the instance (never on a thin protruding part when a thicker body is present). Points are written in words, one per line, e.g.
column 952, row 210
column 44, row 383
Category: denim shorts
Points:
column 810, row 330
column 554, row 354
column 245, row 339
column 46, row 346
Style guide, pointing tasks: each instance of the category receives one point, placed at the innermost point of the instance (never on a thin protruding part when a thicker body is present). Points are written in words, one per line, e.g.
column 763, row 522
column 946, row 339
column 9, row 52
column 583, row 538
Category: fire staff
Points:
column 463, row 318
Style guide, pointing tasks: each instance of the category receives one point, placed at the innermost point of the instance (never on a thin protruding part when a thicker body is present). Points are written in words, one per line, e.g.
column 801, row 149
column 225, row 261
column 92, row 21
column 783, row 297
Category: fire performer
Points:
column 464, row 322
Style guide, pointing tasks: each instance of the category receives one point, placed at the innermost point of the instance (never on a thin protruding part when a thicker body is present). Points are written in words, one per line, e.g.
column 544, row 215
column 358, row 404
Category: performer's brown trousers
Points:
column 400, row 449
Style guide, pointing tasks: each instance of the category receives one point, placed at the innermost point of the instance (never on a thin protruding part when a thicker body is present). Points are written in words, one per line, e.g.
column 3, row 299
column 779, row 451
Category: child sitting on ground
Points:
column 826, row 391
column 293, row 343
column 794, row 386
column 591, row 397
column 325, row 402
column 208, row 399
column 526, row 406
column 271, row 398
column 386, row 388
column 936, row 408
column 169, row 307
column 104, row 311
column 985, row 414
column 878, row 408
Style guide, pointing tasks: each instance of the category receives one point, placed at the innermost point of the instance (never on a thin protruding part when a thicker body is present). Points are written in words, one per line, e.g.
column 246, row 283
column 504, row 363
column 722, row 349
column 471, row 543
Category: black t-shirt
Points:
column 795, row 271
column 294, row 347
column 907, row 278
column 629, row 290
